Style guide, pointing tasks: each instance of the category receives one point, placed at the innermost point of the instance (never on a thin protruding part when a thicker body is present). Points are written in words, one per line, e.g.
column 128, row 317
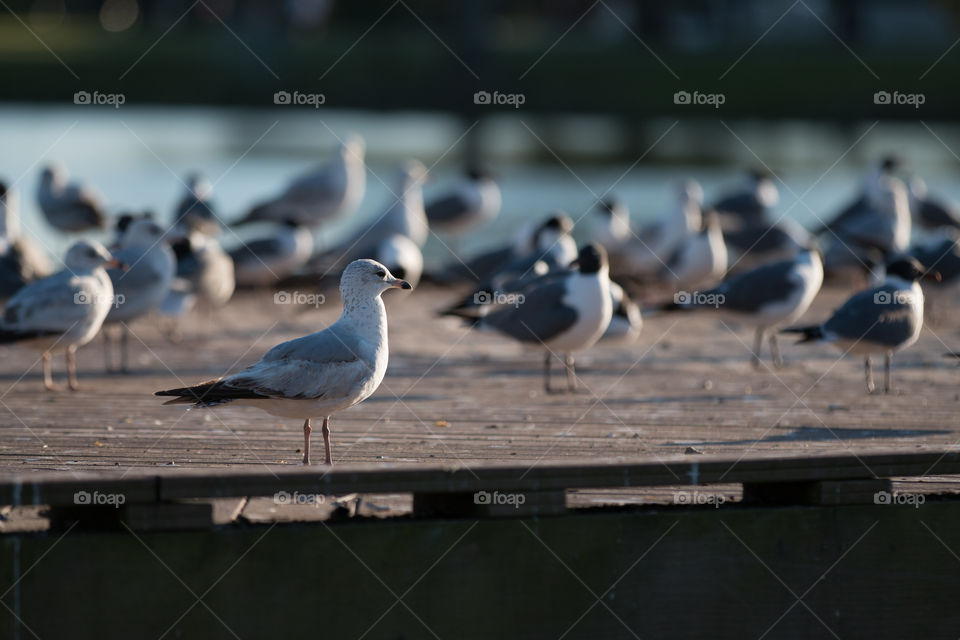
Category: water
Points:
column 136, row 157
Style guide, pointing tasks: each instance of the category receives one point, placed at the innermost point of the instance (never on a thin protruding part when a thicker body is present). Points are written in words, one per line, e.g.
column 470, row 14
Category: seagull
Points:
column 142, row 287
column 21, row 260
column 769, row 297
column 869, row 194
column 318, row 374
column 565, row 312
column 267, row 260
column 322, row 193
column 609, row 226
column 700, row 260
column 880, row 320
column 763, row 243
column 942, row 254
column 645, row 256
column 195, row 208
column 752, row 203
column 63, row 311
column 930, row 212
column 69, row 206
column 474, row 202
column 626, row 321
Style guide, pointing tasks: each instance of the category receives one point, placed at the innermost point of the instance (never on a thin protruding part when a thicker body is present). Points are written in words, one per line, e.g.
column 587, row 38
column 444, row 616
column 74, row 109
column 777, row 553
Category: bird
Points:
column 21, row 260
column 930, row 212
column 404, row 215
column 609, row 226
column 318, row 374
column 64, row 311
column 941, row 254
column 752, row 203
column 142, row 287
column 768, row 297
column 321, row 194
column 763, row 243
column 195, row 208
column 267, row 260
column 626, row 323
column 880, row 320
column 645, row 255
column 564, row 312
column 700, row 260
column 475, row 201
column 869, row 193
column 401, row 256
column 69, row 206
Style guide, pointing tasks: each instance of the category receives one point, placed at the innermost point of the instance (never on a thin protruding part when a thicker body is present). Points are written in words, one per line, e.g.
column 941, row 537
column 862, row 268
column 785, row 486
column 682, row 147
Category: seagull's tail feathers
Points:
column 8, row 336
column 952, row 354
column 809, row 334
column 208, row 394
column 259, row 213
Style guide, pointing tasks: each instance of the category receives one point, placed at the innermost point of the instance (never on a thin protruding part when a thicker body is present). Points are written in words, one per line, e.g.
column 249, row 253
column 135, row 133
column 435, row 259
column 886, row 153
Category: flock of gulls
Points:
column 733, row 257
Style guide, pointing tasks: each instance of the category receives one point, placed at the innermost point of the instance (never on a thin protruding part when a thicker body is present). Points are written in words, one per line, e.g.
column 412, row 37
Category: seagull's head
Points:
column 87, row 255
column 53, row 173
column 909, row 269
column 198, row 186
column 353, row 147
column 690, row 191
column 142, row 232
column 591, row 259
column 368, row 278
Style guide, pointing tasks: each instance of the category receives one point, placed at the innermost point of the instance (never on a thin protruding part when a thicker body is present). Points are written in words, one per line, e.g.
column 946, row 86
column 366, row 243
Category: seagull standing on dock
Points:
column 267, row 260
column 318, row 374
column 644, row 256
column 769, row 296
column 700, row 260
column 64, row 311
column 877, row 321
column 69, row 206
column 321, row 194
column 474, row 202
column 751, row 204
column 21, row 260
column 564, row 311
column 142, row 287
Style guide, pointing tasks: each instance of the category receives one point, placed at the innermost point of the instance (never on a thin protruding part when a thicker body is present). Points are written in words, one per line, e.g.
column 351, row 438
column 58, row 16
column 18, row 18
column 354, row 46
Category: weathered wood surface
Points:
column 733, row 572
column 456, row 396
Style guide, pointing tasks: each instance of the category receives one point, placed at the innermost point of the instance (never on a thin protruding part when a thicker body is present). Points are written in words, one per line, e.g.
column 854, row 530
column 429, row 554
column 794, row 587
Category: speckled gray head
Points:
column 370, row 278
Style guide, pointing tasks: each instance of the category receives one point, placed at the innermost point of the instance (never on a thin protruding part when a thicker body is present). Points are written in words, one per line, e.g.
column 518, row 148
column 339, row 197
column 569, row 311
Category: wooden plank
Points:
column 391, row 478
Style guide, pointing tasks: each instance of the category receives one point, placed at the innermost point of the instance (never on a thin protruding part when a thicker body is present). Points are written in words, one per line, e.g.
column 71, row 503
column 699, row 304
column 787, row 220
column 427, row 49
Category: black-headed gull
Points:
column 877, row 321
column 69, row 206
column 564, row 311
column 64, row 311
column 319, row 374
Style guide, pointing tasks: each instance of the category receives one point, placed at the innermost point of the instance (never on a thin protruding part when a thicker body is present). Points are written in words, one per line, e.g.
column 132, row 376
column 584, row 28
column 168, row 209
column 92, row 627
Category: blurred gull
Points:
column 267, row 260
column 142, row 287
column 64, row 311
column 69, row 206
column 626, row 321
column 21, row 260
column 751, row 204
column 609, row 226
column 321, row 194
column 475, row 201
column 318, row 374
column 700, row 260
column 645, row 256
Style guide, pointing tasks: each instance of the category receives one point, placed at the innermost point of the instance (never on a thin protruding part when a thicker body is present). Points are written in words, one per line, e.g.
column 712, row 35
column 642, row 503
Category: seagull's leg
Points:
column 866, row 364
column 775, row 351
column 307, row 430
column 887, row 360
column 72, row 367
column 757, row 348
column 47, row 375
column 546, row 372
column 124, row 338
column 107, row 364
column 326, row 440
column 571, row 373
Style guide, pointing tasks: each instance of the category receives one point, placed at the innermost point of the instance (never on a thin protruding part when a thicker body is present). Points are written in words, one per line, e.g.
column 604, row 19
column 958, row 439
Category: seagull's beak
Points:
column 932, row 275
column 397, row 283
column 113, row 263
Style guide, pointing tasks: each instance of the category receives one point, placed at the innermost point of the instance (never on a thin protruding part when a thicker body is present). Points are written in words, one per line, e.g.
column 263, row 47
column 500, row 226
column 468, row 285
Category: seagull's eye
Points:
column 91, row 253
column 381, row 273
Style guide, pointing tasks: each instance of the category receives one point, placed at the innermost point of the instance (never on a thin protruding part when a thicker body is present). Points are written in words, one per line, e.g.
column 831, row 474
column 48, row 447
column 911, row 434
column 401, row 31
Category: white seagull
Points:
column 474, row 202
column 318, row 374
column 646, row 255
column 69, row 206
column 877, row 321
column 321, row 194
column 564, row 312
column 700, row 260
column 21, row 260
column 142, row 287
column 64, row 311
column 267, row 260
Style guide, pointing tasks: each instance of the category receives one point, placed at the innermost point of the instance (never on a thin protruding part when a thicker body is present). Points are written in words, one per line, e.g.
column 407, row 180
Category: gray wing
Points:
column 541, row 316
column 863, row 318
column 447, row 209
column 752, row 290
column 52, row 304
column 257, row 250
